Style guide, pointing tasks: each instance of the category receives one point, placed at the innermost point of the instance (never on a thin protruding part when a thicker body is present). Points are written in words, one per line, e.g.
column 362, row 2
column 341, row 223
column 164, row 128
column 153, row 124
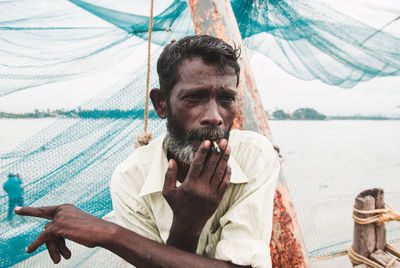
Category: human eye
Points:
column 227, row 99
column 193, row 98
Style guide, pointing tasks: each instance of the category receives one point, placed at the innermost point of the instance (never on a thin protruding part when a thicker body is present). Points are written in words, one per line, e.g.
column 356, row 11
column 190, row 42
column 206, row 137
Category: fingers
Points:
column 62, row 248
column 40, row 212
column 53, row 252
column 57, row 249
column 212, row 166
column 55, row 245
column 40, row 240
column 220, row 170
column 170, row 178
column 225, row 181
column 52, row 246
column 198, row 161
column 47, row 225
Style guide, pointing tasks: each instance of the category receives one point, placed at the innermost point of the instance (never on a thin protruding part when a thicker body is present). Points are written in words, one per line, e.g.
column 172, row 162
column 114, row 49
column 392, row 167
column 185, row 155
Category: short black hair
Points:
column 210, row 49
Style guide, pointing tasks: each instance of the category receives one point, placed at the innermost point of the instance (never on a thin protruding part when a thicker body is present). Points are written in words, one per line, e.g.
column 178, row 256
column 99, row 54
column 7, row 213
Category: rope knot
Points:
column 380, row 215
column 142, row 139
column 389, row 215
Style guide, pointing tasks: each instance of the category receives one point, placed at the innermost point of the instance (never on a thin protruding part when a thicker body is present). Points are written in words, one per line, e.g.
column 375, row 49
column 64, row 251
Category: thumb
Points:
column 170, row 177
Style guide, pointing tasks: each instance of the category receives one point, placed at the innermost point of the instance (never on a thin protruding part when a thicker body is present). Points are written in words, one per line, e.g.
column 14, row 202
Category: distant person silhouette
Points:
column 15, row 193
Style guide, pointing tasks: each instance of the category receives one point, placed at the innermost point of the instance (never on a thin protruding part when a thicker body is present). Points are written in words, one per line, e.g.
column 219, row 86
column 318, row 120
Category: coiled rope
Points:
column 356, row 258
column 381, row 216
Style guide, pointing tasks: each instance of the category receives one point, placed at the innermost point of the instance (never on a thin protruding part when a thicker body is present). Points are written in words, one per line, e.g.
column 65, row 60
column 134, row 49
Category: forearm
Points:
column 143, row 252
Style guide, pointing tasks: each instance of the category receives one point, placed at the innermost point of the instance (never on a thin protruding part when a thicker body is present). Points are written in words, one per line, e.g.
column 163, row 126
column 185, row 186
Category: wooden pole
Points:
column 380, row 227
column 364, row 234
column 370, row 239
column 216, row 18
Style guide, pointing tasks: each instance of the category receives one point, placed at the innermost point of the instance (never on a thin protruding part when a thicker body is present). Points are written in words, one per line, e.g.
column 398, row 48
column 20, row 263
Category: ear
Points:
column 159, row 101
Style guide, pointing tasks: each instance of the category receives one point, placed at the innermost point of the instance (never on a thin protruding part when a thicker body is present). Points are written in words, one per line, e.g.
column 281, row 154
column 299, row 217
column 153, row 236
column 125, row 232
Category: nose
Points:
column 211, row 115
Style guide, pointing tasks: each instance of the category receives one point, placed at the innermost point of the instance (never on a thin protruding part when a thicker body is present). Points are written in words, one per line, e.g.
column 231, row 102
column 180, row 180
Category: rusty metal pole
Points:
column 216, row 18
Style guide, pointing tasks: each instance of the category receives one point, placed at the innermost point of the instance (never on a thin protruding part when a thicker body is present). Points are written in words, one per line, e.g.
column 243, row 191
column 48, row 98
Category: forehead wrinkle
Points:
column 207, row 90
column 207, row 81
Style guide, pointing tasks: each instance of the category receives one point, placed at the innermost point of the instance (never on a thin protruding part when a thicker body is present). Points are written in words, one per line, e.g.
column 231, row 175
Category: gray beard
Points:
column 183, row 149
column 184, row 153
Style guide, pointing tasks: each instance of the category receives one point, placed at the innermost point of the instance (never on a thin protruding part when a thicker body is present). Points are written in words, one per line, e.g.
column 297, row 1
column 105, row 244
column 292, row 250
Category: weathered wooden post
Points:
column 370, row 233
column 215, row 17
column 364, row 234
column 380, row 227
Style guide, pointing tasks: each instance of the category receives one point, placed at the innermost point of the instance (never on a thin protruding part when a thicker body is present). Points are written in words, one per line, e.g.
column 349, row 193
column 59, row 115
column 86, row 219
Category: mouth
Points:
column 214, row 145
column 211, row 134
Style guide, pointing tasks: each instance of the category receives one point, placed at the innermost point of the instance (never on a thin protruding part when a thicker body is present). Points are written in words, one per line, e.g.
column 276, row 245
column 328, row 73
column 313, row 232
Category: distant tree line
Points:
column 312, row 114
column 362, row 117
column 299, row 114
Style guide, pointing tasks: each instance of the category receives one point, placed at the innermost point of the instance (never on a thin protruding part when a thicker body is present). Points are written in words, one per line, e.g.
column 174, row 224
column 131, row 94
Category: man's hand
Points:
column 197, row 198
column 66, row 222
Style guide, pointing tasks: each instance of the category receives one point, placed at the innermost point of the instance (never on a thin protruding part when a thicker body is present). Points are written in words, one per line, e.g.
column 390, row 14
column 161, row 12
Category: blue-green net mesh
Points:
column 72, row 159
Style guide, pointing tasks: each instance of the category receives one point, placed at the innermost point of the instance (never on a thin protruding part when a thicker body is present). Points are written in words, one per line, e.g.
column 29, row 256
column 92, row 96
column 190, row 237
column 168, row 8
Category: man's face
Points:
column 201, row 105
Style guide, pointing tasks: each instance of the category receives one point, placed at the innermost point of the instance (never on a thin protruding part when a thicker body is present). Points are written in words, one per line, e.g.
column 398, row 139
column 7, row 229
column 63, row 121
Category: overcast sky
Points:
column 277, row 88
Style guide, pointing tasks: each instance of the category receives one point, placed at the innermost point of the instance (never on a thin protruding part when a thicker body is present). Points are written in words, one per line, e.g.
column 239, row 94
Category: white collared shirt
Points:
column 240, row 229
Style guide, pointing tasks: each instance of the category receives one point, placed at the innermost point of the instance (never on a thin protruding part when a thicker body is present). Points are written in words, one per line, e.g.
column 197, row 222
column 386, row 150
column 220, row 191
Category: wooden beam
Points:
column 385, row 259
column 216, row 18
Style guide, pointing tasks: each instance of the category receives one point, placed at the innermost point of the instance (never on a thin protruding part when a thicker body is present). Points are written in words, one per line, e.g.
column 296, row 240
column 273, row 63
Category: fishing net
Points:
column 71, row 157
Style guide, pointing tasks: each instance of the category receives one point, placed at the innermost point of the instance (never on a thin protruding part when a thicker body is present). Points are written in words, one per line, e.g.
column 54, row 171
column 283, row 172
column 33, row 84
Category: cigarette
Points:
column 216, row 146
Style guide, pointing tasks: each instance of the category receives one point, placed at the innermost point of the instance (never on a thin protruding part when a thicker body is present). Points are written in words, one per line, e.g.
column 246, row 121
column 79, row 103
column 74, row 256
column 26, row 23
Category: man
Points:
column 15, row 193
column 181, row 201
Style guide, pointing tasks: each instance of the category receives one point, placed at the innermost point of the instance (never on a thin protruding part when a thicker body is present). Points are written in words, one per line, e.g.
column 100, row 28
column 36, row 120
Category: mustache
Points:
column 212, row 134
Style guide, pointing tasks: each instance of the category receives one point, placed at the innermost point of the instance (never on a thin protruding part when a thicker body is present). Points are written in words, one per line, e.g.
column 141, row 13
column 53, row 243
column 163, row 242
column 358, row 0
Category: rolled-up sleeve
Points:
column 247, row 225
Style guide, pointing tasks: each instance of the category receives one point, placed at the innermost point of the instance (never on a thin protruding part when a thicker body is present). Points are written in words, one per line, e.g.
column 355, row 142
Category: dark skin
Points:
column 202, row 97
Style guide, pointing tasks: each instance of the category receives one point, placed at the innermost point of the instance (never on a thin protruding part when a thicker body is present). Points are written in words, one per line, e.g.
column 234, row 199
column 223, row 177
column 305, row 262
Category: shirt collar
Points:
column 155, row 178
